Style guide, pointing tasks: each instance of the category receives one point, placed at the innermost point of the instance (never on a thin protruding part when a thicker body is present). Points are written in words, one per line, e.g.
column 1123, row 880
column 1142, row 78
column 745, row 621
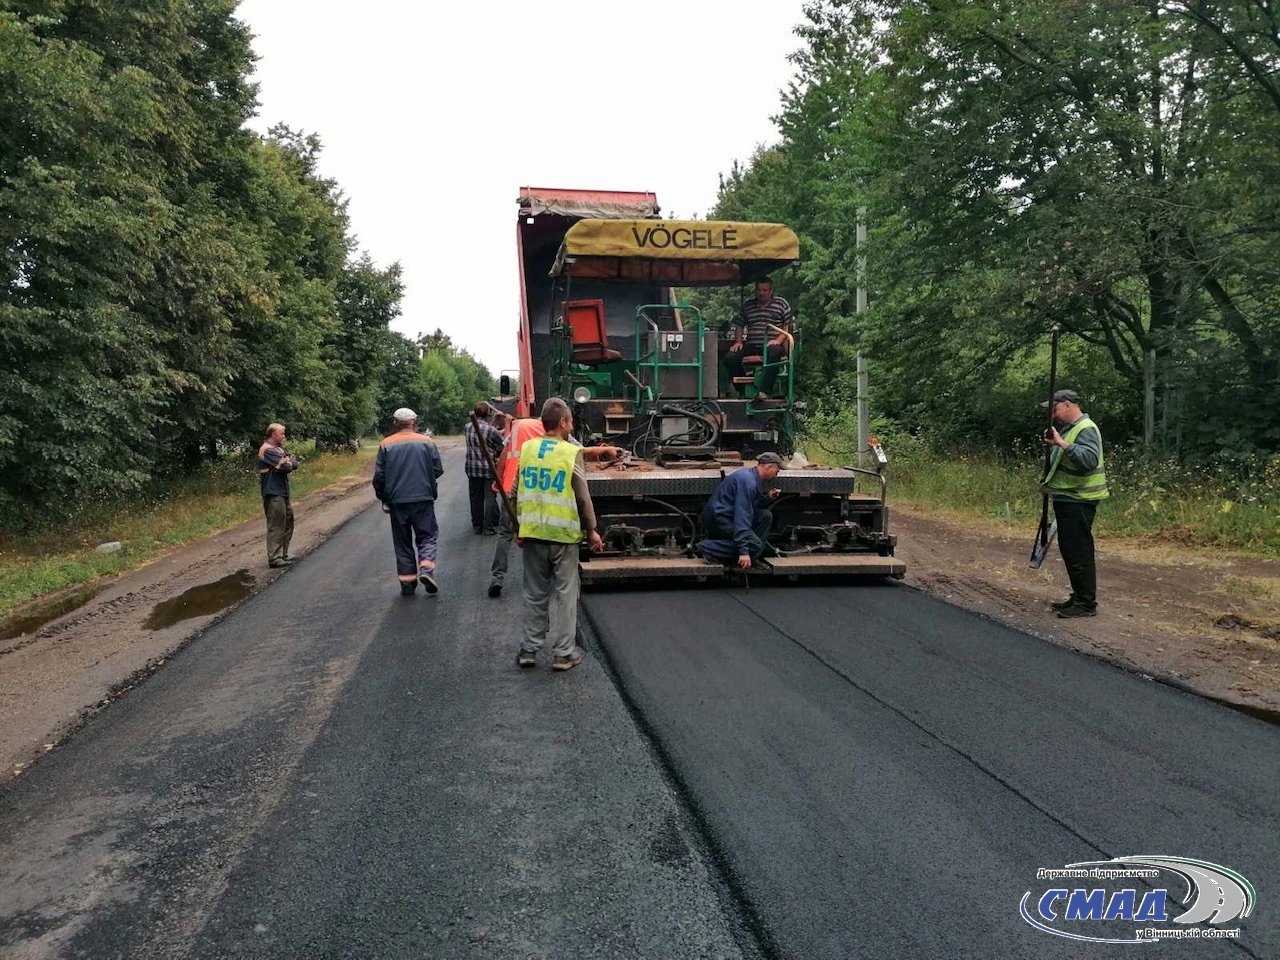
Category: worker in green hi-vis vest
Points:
column 554, row 508
column 1076, row 482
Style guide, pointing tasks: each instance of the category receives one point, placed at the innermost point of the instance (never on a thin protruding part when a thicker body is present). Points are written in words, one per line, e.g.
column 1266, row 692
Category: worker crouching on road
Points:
column 404, row 478
column 554, row 507
column 736, row 518
column 274, row 467
column 518, row 432
column 1075, row 482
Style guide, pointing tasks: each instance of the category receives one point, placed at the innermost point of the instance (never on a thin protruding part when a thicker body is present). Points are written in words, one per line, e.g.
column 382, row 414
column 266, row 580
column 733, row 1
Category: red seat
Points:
column 755, row 360
column 590, row 339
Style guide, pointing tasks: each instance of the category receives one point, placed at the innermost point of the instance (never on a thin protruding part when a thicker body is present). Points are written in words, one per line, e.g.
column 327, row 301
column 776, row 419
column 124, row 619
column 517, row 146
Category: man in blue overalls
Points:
column 404, row 479
column 736, row 518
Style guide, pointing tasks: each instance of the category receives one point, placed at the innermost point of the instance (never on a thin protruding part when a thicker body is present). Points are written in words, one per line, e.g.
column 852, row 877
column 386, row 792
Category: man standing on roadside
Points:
column 479, row 434
column 404, row 479
column 274, row 467
column 521, row 430
column 555, row 511
column 1075, row 482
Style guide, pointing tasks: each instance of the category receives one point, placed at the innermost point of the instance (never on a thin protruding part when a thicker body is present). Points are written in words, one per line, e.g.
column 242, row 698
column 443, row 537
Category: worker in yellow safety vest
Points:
column 1076, row 481
column 554, row 508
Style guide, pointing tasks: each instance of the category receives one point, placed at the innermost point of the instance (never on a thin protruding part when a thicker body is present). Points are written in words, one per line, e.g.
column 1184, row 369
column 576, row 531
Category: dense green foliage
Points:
column 1229, row 504
column 438, row 381
column 1113, row 167
column 173, row 280
column 52, row 555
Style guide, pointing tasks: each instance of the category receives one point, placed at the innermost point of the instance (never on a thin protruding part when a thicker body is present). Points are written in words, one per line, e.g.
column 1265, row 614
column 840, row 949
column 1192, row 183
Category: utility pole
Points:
column 863, row 428
column 860, row 240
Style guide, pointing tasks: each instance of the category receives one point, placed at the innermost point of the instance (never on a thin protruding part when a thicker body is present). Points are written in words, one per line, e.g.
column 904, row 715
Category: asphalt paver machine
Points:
column 604, row 327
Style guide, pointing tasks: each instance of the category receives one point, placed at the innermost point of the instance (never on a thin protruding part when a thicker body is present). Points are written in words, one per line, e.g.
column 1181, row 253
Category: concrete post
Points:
column 863, row 420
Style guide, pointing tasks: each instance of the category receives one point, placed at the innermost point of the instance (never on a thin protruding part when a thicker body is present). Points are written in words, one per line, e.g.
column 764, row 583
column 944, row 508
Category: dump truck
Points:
column 607, row 324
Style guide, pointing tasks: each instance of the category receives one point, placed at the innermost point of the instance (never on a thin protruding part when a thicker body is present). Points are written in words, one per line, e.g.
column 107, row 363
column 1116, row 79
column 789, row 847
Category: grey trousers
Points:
column 279, row 526
column 492, row 511
column 501, row 550
column 550, row 596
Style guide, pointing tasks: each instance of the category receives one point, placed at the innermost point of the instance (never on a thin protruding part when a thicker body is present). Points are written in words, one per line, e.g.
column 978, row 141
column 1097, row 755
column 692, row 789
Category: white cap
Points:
column 404, row 415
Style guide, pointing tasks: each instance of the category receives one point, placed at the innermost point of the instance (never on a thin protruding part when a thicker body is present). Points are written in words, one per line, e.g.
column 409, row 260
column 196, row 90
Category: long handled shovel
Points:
column 1047, row 531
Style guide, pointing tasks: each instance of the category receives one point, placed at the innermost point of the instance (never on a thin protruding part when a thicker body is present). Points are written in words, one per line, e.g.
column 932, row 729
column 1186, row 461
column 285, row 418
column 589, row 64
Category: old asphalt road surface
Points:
column 830, row 771
column 880, row 774
column 335, row 771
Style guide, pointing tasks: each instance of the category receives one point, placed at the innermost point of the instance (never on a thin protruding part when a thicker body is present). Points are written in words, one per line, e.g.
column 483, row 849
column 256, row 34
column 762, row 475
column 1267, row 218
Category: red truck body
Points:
column 546, row 214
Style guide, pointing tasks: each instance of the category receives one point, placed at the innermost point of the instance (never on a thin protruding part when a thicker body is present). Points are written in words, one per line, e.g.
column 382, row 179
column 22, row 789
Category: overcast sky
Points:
column 433, row 116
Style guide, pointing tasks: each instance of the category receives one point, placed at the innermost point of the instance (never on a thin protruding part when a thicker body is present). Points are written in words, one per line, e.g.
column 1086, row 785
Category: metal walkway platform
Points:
column 622, row 569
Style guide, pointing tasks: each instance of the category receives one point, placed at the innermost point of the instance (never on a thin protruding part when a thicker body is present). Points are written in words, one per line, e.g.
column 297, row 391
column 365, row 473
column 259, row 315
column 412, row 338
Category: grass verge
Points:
column 1232, row 507
column 220, row 496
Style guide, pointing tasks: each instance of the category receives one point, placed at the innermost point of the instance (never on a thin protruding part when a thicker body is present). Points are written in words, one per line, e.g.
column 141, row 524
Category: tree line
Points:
column 438, row 380
column 1113, row 168
column 173, row 280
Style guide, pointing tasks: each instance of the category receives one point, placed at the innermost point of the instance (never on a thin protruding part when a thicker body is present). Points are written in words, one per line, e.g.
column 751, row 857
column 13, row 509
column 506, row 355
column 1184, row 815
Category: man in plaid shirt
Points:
column 484, row 502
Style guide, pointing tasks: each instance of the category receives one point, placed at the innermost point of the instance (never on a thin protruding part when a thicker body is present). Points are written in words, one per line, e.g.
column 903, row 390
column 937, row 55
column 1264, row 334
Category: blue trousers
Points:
column 720, row 543
column 414, row 533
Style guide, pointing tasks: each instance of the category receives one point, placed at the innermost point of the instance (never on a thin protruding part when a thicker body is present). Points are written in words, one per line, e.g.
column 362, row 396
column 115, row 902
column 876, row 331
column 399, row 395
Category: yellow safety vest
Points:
column 1066, row 480
column 545, row 502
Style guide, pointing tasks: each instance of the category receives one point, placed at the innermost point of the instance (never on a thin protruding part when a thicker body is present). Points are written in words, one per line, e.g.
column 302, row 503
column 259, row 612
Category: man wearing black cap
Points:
column 736, row 518
column 1075, row 482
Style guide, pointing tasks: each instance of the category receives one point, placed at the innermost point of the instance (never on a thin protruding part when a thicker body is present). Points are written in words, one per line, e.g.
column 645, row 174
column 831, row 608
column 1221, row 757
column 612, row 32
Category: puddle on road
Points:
column 201, row 601
column 43, row 612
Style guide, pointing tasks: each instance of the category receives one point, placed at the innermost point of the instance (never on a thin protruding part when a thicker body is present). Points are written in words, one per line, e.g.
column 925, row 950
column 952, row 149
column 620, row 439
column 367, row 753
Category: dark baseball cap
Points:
column 769, row 457
column 1060, row 395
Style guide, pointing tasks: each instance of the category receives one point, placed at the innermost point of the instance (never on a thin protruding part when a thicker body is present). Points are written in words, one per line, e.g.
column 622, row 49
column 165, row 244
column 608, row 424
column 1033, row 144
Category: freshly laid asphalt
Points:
column 880, row 774
column 801, row 772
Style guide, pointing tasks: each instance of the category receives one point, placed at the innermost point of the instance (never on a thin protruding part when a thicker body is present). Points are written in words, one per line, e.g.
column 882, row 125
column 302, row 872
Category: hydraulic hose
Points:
column 712, row 427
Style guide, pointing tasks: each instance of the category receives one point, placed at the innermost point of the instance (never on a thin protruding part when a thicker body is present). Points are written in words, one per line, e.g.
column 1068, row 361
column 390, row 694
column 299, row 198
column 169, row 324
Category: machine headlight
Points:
column 581, row 395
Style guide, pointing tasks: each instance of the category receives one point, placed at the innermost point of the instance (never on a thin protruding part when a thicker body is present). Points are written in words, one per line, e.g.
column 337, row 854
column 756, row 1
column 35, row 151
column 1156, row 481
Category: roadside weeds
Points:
column 50, row 567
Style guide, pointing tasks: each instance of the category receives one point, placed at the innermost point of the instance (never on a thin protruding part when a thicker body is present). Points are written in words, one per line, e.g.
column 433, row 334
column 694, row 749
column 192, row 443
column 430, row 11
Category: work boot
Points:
column 1073, row 611
column 408, row 589
column 526, row 658
column 280, row 563
column 566, row 663
column 1063, row 604
column 428, row 580
column 495, row 590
